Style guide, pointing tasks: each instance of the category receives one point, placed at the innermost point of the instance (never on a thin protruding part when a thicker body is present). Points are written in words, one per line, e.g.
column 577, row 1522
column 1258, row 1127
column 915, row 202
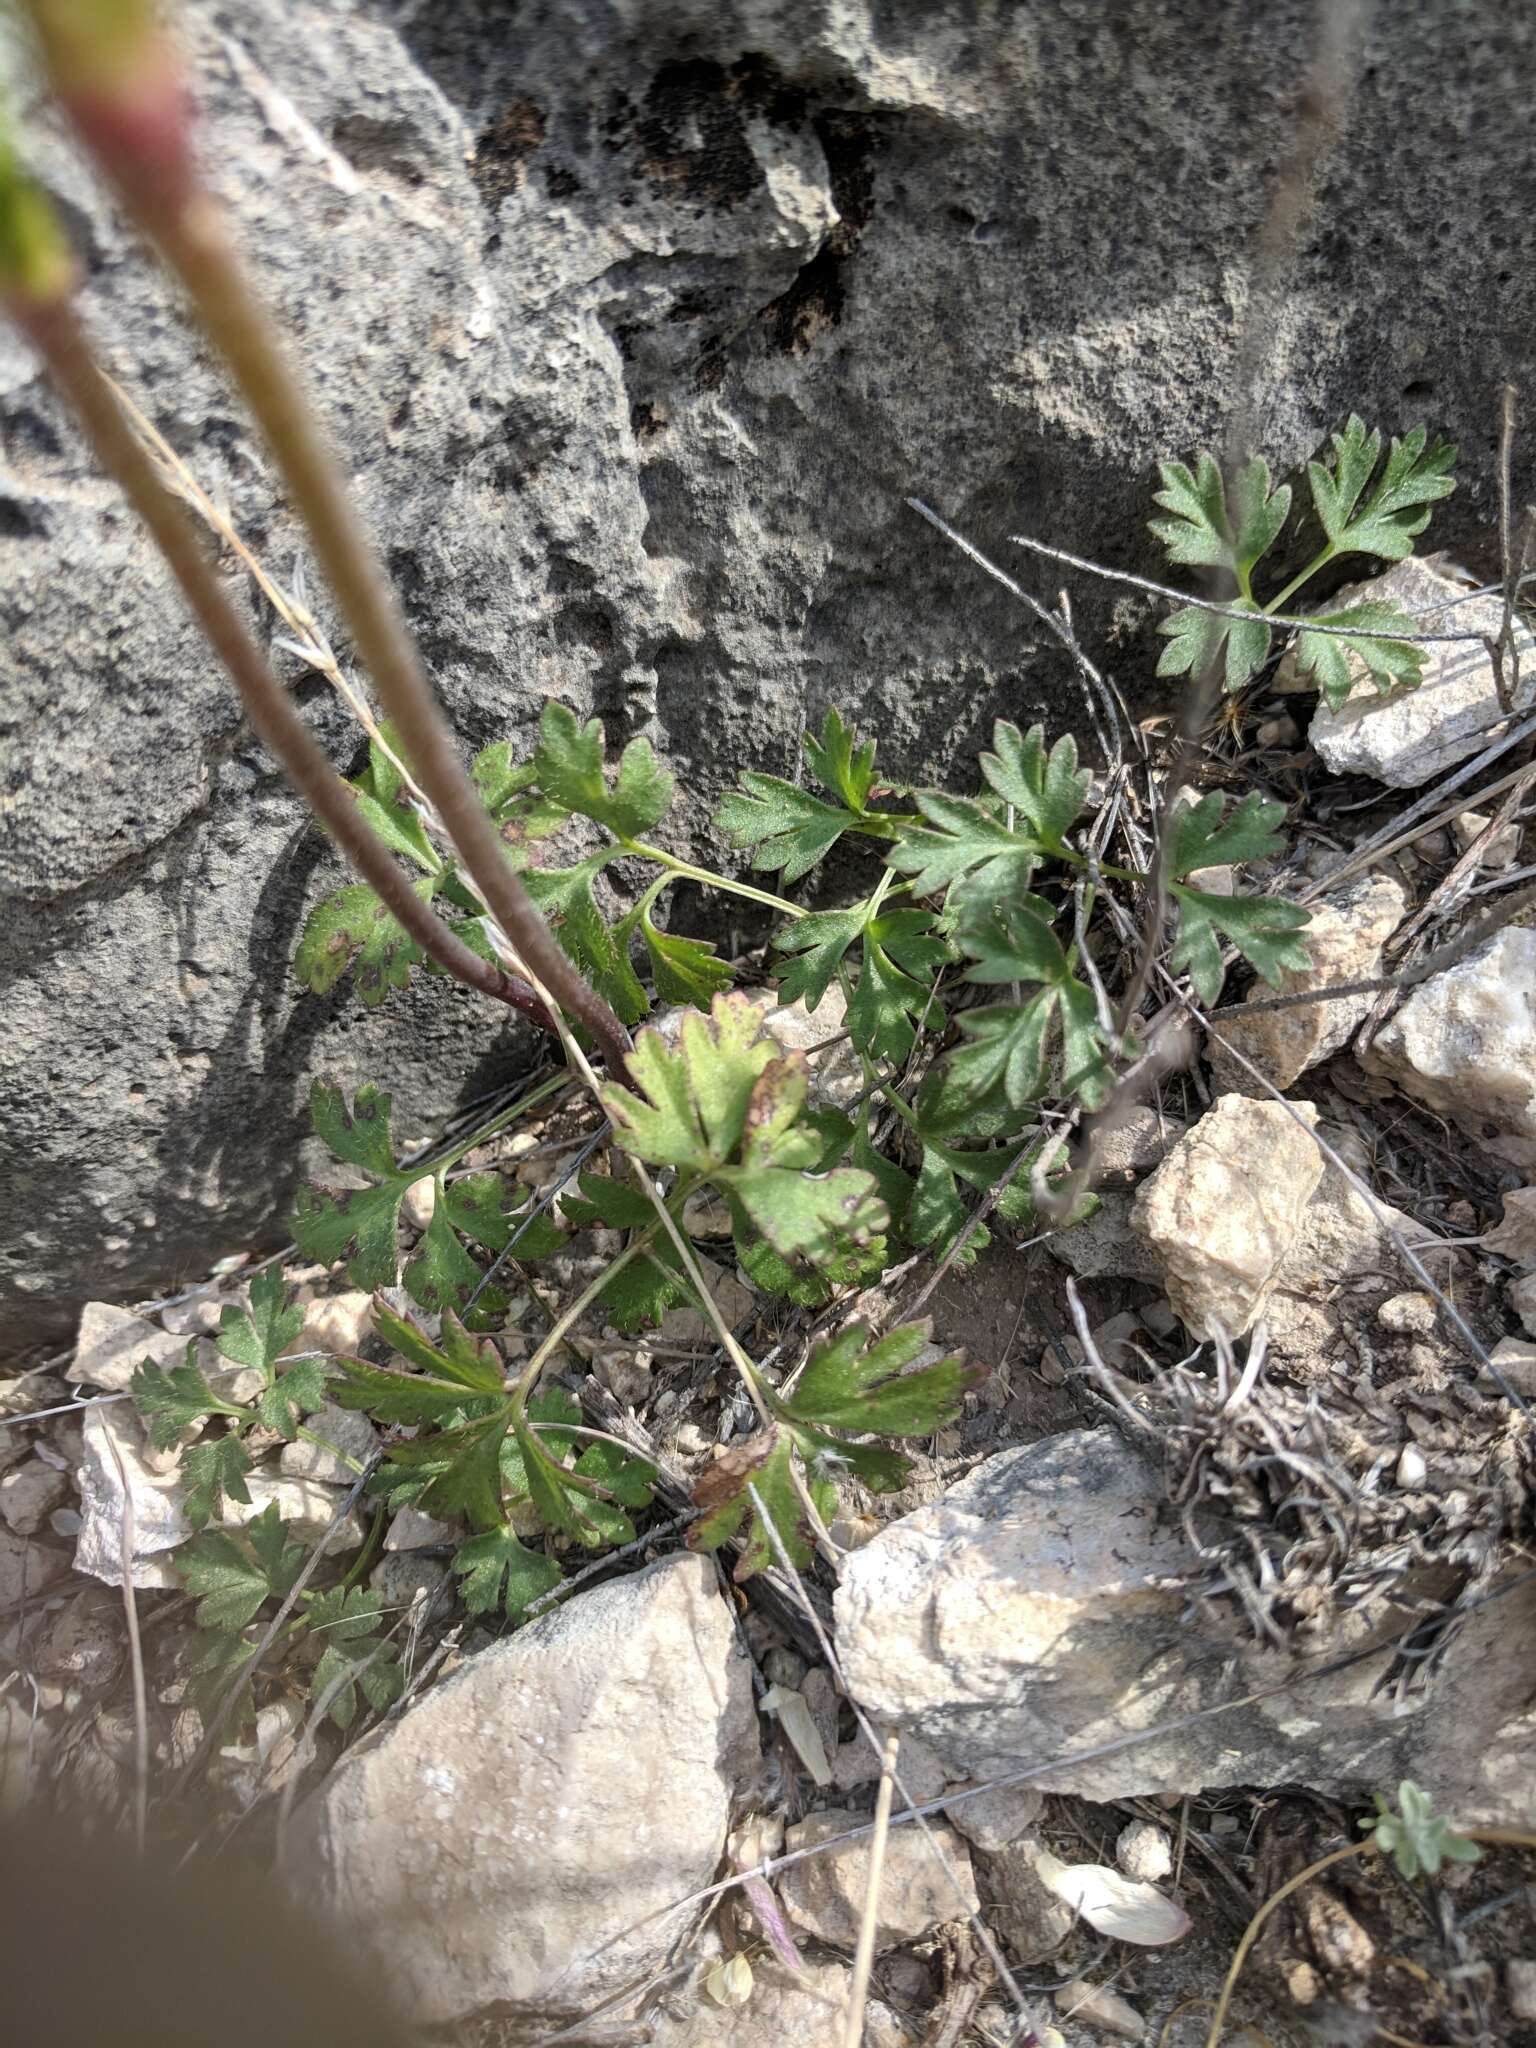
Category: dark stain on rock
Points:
column 502, row 150
column 819, row 293
column 691, row 138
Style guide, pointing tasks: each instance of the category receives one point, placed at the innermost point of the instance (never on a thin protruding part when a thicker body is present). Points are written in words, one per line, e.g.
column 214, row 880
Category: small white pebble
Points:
column 420, row 1201
column 1408, row 1315
column 1144, row 1852
column 1520, row 1979
column 1094, row 2005
column 1411, row 1468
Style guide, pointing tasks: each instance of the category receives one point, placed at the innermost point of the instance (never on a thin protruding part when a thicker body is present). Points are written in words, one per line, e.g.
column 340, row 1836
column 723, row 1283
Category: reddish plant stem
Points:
column 55, row 332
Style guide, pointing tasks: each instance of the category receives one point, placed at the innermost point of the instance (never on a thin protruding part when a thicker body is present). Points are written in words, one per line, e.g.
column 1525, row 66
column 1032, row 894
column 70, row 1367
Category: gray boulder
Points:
column 549, row 1799
column 1034, row 1613
column 634, row 324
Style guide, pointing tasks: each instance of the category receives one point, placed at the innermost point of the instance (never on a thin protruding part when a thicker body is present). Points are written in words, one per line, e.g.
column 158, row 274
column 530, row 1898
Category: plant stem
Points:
column 1277, row 604
column 59, row 339
column 686, row 871
column 527, row 1379
column 324, row 1444
column 129, row 109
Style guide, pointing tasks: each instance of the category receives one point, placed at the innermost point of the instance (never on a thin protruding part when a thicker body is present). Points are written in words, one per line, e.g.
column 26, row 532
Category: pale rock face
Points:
column 1411, row 736
column 1034, row 1614
column 558, row 1787
column 1464, row 1044
column 824, row 1896
column 1345, row 939
column 1225, row 1206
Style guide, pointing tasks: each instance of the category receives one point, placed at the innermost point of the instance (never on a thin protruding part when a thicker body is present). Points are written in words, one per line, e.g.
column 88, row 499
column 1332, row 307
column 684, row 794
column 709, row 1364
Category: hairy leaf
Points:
column 692, row 1112
column 566, row 897
column 1045, row 789
column 1013, row 1045
column 1262, row 928
column 299, row 1391
column 790, row 828
column 1203, row 838
column 403, row 1397
column 259, row 1336
column 848, row 772
column 1389, row 663
column 1196, row 638
column 353, row 928
column 210, row 1472
column 232, row 1572
column 686, row 970
column 495, row 1569
column 1414, row 477
column 355, row 1657
column 470, row 1361
column 851, row 1383
column 470, row 1483
column 172, row 1401
column 569, row 765
column 1202, row 533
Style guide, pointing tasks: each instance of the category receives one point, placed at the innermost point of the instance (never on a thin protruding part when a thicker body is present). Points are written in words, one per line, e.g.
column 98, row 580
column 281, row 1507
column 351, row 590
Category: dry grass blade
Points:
column 864, row 1954
column 135, row 1654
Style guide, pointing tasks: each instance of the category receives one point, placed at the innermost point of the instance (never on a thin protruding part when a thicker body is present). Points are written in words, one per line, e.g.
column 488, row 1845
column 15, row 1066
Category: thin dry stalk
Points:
column 864, row 1954
column 56, row 333
column 135, row 1655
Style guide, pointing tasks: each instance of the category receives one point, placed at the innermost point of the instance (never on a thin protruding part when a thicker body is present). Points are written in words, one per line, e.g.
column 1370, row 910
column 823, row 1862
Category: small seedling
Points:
column 1415, row 1836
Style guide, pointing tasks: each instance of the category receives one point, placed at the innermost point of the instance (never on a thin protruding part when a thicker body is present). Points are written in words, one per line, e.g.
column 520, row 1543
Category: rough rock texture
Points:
column 784, row 2011
column 1465, row 1044
column 1020, row 1906
column 1345, row 939
column 1027, row 1615
column 824, row 1896
column 1223, row 1209
column 634, row 324
column 1410, row 736
column 558, row 1787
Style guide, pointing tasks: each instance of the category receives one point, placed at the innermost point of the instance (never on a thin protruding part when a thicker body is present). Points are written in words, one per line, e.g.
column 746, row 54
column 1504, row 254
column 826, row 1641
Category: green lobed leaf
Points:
column 894, row 1000
column 211, row 1472
column 233, row 1572
column 849, row 773
column 820, row 939
column 353, row 928
column 1337, row 663
column 966, row 852
column 472, row 1362
column 569, row 765
column 1201, row 531
column 790, row 829
column 685, row 970
column 441, row 1274
column 470, row 1484
column 1415, row 476
column 1201, row 837
column 1013, row 1045
column 171, row 1402
column 566, row 897
column 1197, row 638
column 850, row 1383
column 692, row 1111
column 258, row 1336
column 1262, row 928
column 494, row 1569
column 299, row 1391
column 1045, row 789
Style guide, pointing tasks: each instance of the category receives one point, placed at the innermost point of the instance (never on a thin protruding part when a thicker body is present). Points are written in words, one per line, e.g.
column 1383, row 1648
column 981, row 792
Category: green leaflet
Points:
column 259, row 1336
column 233, row 1571
column 847, row 770
column 1390, row 664
column 171, row 1401
column 494, row 1569
column 569, row 767
column 1263, row 928
column 1045, row 789
column 900, row 955
column 1196, row 638
column 565, row 895
column 685, row 970
column 211, row 1472
column 1201, row 532
column 788, row 827
column 1015, row 1047
column 851, row 1383
column 361, row 1224
column 1415, row 476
